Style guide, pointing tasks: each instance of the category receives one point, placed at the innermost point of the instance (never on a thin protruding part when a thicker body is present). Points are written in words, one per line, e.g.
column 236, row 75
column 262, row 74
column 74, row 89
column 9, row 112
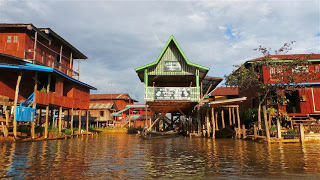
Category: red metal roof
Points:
column 289, row 57
column 110, row 96
column 225, row 91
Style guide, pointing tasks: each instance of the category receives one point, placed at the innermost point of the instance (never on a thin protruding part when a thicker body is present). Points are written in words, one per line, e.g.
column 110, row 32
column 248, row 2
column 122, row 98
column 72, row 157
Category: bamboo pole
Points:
column 255, row 134
column 87, row 121
column 32, row 122
column 60, row 119
column 230, row 121
column 213, row 124
column 278, row 129
column 233, row 116
column 222, row 119
column 239, row 125
column 208, row 123
column 216, row 119
column 301, row 133
column 79, row 130
column 71, row 123
column 266, row 123
column 46, row 123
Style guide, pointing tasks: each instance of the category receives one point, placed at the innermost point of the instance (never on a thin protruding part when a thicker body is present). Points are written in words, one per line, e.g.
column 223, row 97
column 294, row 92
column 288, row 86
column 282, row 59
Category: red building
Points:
column 303, row 102
column 38, row 63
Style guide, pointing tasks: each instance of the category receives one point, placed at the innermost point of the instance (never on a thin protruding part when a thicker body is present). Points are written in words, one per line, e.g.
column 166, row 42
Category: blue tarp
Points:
column 25, row 114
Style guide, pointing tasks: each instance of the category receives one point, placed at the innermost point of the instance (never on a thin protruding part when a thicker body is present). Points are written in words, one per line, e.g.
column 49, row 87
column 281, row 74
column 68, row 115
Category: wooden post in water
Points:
column 208, row 123
column 4, row 130
column 79, row 130
column 71, row 123
column 233, row 116
column 255, row 134
column 60, row 119
column 278, row 129
column 87, row 122
column 229, row 112
column 222, row 119
column 34, row 105
column 213, row 124
column 243, row 131
column 46, row 125
column 199, row 119
column 301, row 133
column 15, row 105
column 216, row 119
column 7, row 123
column 266, row 123
column 239, row 126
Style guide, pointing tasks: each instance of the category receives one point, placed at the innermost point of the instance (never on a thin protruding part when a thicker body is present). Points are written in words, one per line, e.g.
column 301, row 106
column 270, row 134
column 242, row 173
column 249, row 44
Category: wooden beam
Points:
column 243, row 131
column 222, row 119
column 216, row 118
column 229, row 112
column 32, row 122
column 255, row 134
column 71, row 123
column 208, row 123
column 233, row 116
column 46, row 125
column 301, row 133
column 79, row 130
column 239, row 125
column 87, row 121
column 199, row 120
column 60, row 119
column 213, row 123
column 154, row 122
column 278, row 129
column 266, row 123
column 35, row 47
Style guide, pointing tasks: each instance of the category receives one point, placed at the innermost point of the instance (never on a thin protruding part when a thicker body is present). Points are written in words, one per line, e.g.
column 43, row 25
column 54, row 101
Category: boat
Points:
column 155, row 134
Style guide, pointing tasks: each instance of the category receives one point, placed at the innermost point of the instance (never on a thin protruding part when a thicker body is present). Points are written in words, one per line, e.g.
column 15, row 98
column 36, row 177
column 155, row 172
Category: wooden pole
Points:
column 230, row 121
column 301, row 133
column 199, row 120
column 46, row 125
column 279, row 129
column 87, row 121
column 222, row 119
column 244, row 131
column 239, row 125
column 233, row 116
column 60, row 119
column 255, row 134
column 5, row 131
column 208, row 123
column 15, row 105
column 7, row 118
column 266, row 123
column 213, row 124
column 71, row 123
column 79, row 130
column 216, row 119
column 34, row 104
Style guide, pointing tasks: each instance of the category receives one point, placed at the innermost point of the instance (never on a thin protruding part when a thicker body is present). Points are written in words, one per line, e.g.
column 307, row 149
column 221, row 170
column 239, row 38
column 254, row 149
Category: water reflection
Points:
column 128, row 157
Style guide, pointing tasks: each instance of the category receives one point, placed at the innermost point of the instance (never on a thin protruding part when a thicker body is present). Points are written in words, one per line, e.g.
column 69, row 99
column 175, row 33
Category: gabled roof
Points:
column 225, row 91
column 171, row 39
column 102, row 106
column 123, row 96
column 313, row 57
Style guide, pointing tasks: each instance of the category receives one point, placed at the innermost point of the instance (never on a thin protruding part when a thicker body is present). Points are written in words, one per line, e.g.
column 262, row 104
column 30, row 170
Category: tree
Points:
column 284, row 74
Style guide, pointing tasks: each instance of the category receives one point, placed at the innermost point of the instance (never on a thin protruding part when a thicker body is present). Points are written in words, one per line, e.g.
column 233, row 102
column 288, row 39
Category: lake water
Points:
column 123, row 156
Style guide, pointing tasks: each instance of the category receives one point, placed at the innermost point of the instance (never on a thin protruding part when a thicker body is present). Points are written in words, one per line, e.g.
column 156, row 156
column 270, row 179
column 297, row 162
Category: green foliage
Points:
column 292, row 131
column 54, row 129
column 67, row 131
column 283, row 116
column 249, row 115
column 272, row 111
column 24, row 129
column 44, row 90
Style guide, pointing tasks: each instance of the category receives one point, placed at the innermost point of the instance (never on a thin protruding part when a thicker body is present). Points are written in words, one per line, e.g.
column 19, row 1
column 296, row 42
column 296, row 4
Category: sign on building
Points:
column 172, row 93
column 172, row 66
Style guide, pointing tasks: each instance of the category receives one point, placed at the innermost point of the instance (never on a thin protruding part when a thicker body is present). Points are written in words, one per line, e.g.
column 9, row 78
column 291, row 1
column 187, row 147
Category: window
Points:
column 316, row 68
column 300, row 69
column 101, row 113
column 15, row 39
column 9, row 39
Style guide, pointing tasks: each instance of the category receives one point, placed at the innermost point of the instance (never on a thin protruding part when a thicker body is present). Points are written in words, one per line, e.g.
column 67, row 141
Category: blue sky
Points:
column 118, row 36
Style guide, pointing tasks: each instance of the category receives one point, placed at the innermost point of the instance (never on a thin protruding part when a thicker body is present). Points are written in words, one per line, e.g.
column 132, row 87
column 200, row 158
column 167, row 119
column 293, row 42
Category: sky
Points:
column 119, row 36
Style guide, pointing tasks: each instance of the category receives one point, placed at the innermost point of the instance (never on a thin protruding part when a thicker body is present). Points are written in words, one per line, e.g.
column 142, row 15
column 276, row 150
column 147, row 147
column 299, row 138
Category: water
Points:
column 122, row 156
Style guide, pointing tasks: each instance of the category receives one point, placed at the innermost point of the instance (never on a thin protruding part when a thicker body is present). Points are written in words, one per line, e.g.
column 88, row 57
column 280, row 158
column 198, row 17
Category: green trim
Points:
column 146, row 77
column 197, row 78
column 162, row 52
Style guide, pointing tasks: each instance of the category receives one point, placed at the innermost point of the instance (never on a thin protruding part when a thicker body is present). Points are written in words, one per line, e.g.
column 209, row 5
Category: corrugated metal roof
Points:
column 110, row 96
column 225, row 91
column 288, row 57
column 100, row 105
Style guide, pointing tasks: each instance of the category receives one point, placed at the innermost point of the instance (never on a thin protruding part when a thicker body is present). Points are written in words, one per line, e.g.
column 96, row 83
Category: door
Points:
column 293, row 106
column 316, row 99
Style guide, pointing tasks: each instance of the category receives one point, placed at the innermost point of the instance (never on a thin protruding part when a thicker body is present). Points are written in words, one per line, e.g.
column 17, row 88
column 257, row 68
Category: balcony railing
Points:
column 172, row 93
column 45, row 60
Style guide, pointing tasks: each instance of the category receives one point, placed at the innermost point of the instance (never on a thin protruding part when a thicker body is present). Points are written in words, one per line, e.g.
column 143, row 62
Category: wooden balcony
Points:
column 191, row 94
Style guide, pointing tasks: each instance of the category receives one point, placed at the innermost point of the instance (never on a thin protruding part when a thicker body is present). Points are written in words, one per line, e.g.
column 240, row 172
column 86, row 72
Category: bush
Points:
column 249, row 115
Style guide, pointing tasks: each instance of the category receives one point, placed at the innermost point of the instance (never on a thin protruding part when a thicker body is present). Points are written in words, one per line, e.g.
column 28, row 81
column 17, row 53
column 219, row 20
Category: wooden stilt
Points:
column 46, row 125
column 208, row 123
column 216, row 120
column 233, row 116
column 239, row 125
column 222, row 119
column 213, row 124
column 266, row 123
column 60, row 119
column 87, row 121
column 255, row 134
column 278, row 129
column 301, row 133
column 199, row 120
column 4, row 130
column 34, row 104
column 230, row 121
column 244, row 131
column 79, row 130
